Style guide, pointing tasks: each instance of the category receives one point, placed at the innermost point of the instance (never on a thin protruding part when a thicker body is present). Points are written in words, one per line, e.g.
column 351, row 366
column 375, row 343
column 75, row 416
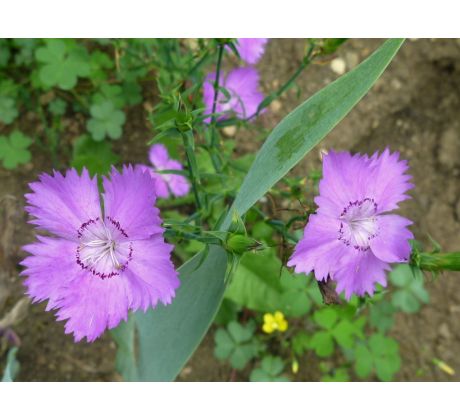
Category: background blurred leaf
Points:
column 255, row 283
column 322, row 343
column 411, row 293
column 382, row 315
column 237, row 344
column 381, row 354
column 63, row 62
column 8, row 110
column 14, row 149
column 270, row 370
column 262, row 284
column 57, row 107
column 105, row 121
column 181, row 325
column 96, row 156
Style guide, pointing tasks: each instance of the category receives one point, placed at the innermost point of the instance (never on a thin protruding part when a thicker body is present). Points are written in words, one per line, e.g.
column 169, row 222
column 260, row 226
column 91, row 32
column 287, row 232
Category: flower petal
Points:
column 392, row 242
column 49, row 269
column 178, row 184
column 359, row 273
column 243, row 84
column 60, row 204
column 319, row 249
column 158, row 155
column 343, row 182
column 161, row 188
column 91, row 305
column 151, row 274
column 208, row 96
column 388, row 183
column 251, row 49
column 129, row 199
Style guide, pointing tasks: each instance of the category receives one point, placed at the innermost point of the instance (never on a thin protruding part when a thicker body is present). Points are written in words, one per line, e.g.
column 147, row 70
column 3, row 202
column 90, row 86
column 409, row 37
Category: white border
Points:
column 232, row 18
column 222, row 401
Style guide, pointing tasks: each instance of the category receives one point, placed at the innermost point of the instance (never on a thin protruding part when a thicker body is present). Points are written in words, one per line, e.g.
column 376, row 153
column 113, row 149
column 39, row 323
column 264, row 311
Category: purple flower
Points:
column 251, row 50
column 351, row 238
column 242, row 85
column 99, row 264
column 165, row 183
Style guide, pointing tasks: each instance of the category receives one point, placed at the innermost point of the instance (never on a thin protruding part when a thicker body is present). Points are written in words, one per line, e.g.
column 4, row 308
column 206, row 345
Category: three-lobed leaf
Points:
column 236, row 343
column 62, row 63
column 106, row 121
column 270, row 370
column 8, row 110
column 411, row 293
column 14, row 149
column 381, row 354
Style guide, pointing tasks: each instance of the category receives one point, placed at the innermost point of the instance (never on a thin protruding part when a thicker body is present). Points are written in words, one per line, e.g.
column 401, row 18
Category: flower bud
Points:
column 439, row 262
column 239, row 244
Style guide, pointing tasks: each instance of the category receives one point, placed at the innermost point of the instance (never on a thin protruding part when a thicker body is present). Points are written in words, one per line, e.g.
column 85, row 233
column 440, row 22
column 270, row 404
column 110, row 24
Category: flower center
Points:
column 359, row 223
column 104, row 248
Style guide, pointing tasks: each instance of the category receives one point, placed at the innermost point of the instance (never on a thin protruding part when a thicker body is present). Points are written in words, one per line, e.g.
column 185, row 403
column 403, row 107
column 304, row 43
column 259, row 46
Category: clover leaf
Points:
column 8, row 96
column 270, row 369
column 236, row 344
column 300, row 343
column 8, row 110
column 338, row 326
column 337, row 375
column 14, row 149
column 25, row 50
column 106, row 121
column 322, row 343
column 63, row 62
column 382, row 315
column 411, row 293
column 132, row 93
column 57, row 107
column 381, row 354
column 296, row 299
column 99, row 63
column 109, row 93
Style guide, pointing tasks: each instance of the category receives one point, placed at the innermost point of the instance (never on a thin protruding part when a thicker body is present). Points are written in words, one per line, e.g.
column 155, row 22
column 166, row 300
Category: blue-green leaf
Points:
column 12, row 366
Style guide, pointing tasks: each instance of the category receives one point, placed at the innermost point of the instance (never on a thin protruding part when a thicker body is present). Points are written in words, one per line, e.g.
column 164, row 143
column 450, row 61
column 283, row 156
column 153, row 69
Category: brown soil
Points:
column 413, row 108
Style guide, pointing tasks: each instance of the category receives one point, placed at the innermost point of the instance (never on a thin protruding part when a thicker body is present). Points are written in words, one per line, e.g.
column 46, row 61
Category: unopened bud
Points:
column 439, row 262
column 239, row 244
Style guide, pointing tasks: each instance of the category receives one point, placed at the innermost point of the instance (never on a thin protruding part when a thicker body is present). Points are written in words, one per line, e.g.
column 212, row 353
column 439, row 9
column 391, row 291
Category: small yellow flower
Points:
column 274, row 322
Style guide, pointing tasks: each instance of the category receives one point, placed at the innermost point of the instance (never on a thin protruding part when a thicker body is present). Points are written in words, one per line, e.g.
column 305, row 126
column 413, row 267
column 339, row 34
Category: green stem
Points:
column 194, row 174
column 216, row 92
column 438, row 262
column 214, row 144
